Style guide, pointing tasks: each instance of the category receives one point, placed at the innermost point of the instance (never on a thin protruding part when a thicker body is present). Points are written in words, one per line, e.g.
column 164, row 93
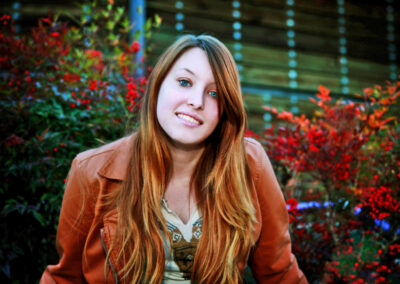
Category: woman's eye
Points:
column 184, row 83
column 213, row 94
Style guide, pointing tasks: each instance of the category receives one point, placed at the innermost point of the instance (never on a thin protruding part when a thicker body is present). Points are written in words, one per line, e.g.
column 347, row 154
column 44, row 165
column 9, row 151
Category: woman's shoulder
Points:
column 255, row 151
column 257, row 159
column 109, row 160
column 104, row 150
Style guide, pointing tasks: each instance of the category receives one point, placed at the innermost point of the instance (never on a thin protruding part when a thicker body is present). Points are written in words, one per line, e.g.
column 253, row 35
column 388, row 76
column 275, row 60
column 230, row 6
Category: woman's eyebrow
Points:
column 189, row 71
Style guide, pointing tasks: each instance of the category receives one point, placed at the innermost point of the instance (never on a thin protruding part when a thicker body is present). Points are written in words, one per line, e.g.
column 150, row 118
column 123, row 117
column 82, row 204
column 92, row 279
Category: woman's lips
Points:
column 189, row 119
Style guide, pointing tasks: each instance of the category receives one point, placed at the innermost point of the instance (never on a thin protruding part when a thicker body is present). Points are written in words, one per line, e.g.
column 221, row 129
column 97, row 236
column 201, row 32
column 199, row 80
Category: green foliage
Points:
column 63, row 89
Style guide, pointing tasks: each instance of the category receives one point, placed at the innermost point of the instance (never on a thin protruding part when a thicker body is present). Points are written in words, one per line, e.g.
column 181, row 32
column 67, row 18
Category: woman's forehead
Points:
column 191, row 59
column 193, row 62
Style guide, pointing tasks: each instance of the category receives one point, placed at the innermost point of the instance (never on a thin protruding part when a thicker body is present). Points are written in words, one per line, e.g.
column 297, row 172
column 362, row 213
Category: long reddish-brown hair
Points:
column 220, row 181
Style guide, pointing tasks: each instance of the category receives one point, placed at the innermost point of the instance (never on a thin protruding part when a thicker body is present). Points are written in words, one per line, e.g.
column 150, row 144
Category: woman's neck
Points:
column 184, row 161
column 178, row 193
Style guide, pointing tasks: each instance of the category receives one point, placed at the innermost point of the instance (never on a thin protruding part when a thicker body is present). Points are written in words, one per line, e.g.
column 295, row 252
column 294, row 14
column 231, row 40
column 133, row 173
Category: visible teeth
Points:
column 188, row 118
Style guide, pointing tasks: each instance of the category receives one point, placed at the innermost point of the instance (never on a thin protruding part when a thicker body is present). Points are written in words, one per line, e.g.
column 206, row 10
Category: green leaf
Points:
column 111, row 37
column 157, row 20
column 137, row 33
column 83, row 20
column 148, row 24
column 110, row 25
column 93, row 28
column 39, row 218
column 105, row 14
column 79, row 53
column 126, row 23
column 120, row 11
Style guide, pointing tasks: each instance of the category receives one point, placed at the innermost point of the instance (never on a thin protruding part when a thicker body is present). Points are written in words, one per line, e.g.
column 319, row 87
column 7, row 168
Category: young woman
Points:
column 185, row 199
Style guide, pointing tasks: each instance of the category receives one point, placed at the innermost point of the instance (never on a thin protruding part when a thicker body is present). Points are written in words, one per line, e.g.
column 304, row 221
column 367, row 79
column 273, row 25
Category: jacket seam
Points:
column 108, row 258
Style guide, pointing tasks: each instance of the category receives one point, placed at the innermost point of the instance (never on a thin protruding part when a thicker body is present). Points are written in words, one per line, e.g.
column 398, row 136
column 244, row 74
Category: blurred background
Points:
column 284, row 49
column 321, row 90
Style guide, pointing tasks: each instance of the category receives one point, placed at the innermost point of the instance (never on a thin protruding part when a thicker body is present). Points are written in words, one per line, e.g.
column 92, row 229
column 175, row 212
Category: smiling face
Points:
column 187, row 108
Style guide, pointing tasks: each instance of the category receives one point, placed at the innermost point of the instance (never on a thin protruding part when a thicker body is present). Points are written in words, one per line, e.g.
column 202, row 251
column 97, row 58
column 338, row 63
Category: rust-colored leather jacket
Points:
column 82, row 242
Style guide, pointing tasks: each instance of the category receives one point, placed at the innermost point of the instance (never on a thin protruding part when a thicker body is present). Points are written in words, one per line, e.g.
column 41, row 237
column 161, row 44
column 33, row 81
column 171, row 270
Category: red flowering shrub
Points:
column 380, row 202
column 95, row 57
column 135, row 47
column 63, row 89
column 292, row 208
column 342, row 166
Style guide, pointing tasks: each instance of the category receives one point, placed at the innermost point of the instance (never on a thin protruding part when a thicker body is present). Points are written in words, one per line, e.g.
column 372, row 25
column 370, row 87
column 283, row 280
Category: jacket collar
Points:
column 117, row 159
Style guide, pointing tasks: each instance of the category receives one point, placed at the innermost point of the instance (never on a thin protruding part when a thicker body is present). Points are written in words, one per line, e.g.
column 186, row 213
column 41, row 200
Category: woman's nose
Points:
column 196, row 99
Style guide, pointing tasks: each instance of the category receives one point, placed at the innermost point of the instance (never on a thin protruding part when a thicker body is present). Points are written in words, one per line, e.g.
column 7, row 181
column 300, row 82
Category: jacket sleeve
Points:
column 73, row 226
column 272, row 260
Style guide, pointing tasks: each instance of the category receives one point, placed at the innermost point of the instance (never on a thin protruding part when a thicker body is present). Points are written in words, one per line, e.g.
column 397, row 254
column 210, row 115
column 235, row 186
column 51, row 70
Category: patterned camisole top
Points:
column 179, row 256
